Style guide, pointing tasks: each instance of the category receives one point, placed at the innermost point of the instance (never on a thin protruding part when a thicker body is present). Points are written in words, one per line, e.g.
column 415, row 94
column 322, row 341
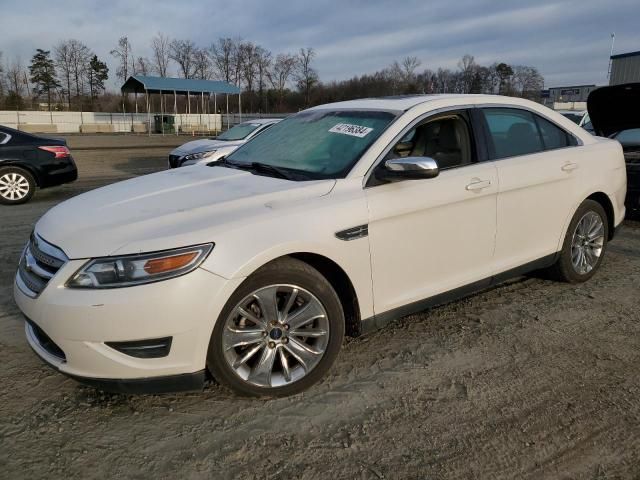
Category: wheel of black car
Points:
column 16, row 185
column 584, row 244
column 279, row 332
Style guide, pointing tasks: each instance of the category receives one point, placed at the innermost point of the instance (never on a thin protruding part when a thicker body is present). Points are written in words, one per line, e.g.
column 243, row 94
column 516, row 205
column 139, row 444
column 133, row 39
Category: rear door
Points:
column 537, row 173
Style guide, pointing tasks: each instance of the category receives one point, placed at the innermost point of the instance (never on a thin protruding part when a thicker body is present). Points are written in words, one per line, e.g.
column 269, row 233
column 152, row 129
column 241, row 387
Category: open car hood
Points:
column 615, row 108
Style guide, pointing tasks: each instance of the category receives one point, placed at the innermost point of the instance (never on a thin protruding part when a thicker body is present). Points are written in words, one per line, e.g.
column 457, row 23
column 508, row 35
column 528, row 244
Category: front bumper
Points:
column 81, row 322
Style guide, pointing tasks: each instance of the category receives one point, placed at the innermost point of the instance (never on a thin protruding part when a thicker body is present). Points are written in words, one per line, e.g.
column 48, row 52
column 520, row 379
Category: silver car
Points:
column 207, row 150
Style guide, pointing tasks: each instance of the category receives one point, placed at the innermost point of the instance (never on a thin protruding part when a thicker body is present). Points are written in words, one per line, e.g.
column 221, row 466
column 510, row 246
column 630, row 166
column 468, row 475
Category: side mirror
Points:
column 409, row 168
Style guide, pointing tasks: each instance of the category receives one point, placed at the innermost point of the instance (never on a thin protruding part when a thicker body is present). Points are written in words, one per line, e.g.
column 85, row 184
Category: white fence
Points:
column 92, row 122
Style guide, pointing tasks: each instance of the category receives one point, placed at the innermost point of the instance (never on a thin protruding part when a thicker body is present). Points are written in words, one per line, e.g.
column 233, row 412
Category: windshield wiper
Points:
column 259, row 167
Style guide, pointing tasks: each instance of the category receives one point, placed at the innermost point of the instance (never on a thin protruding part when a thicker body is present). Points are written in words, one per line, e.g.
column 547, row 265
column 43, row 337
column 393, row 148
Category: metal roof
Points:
column 141, row 83
column 625, row 55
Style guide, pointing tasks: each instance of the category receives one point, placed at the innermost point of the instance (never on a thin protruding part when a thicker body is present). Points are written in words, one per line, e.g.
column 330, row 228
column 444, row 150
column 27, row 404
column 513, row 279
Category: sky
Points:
column 568, row 41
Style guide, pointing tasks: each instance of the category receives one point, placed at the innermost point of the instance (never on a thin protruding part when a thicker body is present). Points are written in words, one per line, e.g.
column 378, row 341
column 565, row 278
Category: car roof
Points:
column 405, row 102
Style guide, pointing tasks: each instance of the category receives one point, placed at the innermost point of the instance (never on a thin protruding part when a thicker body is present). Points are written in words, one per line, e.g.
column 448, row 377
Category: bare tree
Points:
column 2, row 88
column 237, row 60
column 527, row 81
column 409, row 67
column 81, row 56
column 280, row 74
column 222, row 53
column 161, row 54
column 143, row 66
column 15, row 77
column 125, row 57
column 263, row 63
column 306, row 76
column 202, row 64
column 64, row 63
column 248, row 64
column 182, row 52
column 468, row 68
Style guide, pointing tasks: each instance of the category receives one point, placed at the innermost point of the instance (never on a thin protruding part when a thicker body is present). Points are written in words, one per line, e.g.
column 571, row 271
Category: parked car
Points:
column 586, row 124
column 211, row 149
column 28, row 161
column 341, row 218
column 615, row 113
column 576, row 116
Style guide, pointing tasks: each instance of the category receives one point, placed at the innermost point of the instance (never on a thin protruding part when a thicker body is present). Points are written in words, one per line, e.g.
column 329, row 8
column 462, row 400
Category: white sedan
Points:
column 206, row 150
column 334, row 221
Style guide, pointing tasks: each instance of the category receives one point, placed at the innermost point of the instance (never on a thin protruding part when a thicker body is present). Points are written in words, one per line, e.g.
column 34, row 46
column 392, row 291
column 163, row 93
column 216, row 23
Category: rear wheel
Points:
column 584, row 244
column 16, row 185
column 279, row 332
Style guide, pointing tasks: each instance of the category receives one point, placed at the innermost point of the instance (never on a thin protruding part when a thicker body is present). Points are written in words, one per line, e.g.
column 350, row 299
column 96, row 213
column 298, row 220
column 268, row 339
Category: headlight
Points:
column 198, row 156
column 128, row 270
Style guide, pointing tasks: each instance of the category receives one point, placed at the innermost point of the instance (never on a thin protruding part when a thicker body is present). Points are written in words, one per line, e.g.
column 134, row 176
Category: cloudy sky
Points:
column 568, row 41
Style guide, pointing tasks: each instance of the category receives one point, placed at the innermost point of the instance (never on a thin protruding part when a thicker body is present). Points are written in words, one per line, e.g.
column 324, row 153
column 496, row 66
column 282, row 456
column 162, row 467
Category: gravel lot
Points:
column 533, row 379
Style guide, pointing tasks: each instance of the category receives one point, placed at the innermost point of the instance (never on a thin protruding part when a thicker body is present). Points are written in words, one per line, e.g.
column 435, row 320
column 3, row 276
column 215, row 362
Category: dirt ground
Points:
column 531, row 380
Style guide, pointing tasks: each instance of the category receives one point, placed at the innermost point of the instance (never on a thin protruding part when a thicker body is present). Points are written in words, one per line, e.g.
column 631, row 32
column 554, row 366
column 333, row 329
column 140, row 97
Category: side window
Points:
column 553, row 136
column 446, row 139
column 3, row 138
column 513, row 132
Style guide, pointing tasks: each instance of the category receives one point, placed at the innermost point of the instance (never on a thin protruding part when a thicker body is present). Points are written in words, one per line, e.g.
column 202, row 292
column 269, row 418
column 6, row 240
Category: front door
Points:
column 430, row 236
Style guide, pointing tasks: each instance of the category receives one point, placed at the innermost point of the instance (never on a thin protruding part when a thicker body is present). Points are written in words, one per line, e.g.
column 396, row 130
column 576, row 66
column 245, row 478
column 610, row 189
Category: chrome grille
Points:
column 40, row 261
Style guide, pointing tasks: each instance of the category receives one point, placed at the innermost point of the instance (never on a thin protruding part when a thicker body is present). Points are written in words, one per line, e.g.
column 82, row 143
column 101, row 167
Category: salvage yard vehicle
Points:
column 28, row 161
column 335, row 221
column 615, row 113
column 210, row 149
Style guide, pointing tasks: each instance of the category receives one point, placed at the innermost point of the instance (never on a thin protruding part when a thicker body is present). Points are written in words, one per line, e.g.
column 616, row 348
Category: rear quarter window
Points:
column 553, row 136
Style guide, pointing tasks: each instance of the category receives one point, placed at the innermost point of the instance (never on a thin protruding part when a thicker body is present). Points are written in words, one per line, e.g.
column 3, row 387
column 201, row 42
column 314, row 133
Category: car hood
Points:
column 174, row 208
column 615, row 108
column 203, row 145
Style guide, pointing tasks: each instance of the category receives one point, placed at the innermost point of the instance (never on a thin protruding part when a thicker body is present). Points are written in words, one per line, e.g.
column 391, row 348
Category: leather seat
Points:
column 521, row 139
column 449, row 153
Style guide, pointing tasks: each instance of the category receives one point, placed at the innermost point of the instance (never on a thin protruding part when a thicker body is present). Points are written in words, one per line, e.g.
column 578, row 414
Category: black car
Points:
column 28, row 161
column 615, row 113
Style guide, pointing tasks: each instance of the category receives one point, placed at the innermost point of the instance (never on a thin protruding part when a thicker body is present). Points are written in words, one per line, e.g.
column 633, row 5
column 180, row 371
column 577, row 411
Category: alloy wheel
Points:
column 13, row 186
column 587, row 243
column 276, row 335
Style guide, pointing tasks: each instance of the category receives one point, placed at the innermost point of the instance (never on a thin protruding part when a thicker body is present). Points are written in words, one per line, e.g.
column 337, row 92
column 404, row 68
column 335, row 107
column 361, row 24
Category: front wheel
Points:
column 279, row 332
column 584, row 244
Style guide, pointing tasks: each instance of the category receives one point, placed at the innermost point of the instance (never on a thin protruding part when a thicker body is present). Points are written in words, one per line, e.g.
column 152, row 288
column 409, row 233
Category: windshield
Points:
column 318, row 143
column 238, row 132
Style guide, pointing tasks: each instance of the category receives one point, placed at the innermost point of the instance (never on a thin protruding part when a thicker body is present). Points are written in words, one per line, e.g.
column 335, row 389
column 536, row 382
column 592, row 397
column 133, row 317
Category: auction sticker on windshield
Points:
column 353, row 130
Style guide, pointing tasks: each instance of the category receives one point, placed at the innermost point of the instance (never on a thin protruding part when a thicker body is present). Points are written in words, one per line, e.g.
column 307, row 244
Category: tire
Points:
column 299, row 339
column 16, row 186
column 565, row 269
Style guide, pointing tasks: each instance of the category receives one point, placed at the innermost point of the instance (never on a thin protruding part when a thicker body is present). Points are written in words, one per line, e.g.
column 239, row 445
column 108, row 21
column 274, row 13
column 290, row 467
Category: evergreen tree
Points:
column 43, row 73
column 98, row 73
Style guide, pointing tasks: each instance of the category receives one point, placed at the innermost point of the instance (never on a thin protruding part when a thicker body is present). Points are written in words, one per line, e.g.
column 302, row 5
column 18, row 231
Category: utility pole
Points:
column 613, row 39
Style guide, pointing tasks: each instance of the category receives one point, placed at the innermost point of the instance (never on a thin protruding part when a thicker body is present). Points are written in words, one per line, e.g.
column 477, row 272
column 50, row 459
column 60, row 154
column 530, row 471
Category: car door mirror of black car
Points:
column 408, row 168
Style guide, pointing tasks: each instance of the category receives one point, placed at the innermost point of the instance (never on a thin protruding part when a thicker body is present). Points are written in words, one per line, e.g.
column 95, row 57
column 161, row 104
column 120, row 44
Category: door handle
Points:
column 476, row 185
column 569, row 166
